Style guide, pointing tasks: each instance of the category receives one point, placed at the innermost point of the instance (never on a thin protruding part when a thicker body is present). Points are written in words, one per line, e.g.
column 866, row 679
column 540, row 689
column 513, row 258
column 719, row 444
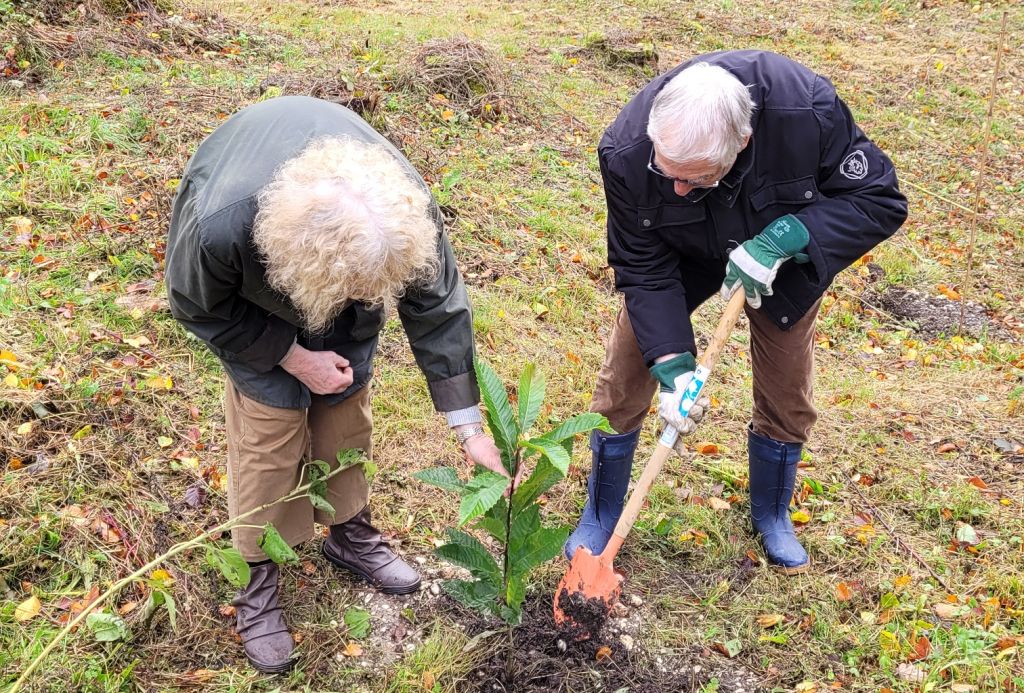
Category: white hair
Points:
column 343, row 221
column 701, row 116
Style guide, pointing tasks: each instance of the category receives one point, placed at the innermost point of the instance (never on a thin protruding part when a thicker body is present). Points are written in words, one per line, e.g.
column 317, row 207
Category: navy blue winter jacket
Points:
column 806, row 157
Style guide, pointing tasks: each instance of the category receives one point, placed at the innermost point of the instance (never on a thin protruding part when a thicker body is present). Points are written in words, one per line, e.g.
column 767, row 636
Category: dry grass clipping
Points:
column 465, row 72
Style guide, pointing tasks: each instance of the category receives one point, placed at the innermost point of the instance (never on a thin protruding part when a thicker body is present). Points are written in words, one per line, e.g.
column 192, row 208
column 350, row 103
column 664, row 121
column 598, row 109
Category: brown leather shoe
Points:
column 358, row 547
column 260, row 623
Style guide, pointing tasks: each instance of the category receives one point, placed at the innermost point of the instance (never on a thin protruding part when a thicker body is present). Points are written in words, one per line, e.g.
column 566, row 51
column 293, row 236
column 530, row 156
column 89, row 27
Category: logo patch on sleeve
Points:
column 855, row 165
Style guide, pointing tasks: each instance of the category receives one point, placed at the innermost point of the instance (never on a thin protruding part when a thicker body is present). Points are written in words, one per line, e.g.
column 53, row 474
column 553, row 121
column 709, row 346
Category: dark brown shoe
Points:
column 358, row 547
column 260, row 623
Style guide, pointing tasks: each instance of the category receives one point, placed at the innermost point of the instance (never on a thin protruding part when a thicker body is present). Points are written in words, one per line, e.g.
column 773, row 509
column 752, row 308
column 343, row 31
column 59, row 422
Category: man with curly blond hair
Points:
column 294, row 223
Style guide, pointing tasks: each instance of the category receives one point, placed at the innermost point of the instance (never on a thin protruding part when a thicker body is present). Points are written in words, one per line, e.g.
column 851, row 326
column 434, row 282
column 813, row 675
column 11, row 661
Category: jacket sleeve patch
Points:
column 855, row 165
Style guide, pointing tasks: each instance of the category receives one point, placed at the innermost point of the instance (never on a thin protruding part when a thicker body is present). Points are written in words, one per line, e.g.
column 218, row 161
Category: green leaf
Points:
column 531, row 396
column 276, row 548
column 511, row 616
column 482, row 492
column 442, row 477
column 543, row 545
column 318, row 469
column 107, row 627
column 230, row 563
column 172, row 608
column 500, row 419
column 357, row 621
column 523, row 526
column 494, row 520
column 581, row 423
column 514, row 596
column 544, row 476
column 370, row 469
column 464, row 550
column 349, row 457
column 553, row 451
column 475, row 594
column 321, row 503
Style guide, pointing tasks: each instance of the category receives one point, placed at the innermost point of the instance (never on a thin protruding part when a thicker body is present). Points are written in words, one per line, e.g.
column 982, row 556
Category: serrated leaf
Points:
column 107, row 627
column 523, row 526
column 544, row 476
column 494, row 520
column 543, row 545
column 464, row 550
column 230, row 563
column 553, row 451
column 581, row 423
column 515, row 593
column 357, row 621
column 320, row 503
column 500, row 419
column 480, row 494
column 531, row 396
column 276, row 548
column 479, row 595
column 442, row 477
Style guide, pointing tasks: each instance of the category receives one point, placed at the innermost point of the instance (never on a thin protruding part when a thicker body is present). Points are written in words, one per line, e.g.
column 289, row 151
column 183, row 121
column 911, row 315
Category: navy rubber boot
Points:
column 772, row 477
column 606, row 490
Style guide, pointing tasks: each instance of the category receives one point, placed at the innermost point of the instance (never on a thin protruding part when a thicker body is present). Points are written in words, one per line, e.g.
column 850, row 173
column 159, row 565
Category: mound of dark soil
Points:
column 549, row 658
column 932, row 316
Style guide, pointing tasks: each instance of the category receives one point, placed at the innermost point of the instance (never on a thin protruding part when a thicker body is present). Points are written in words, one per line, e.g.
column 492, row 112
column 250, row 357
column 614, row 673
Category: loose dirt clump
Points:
column 586, row 616
column 548, row 658
column 619, row 47
column 933, row 316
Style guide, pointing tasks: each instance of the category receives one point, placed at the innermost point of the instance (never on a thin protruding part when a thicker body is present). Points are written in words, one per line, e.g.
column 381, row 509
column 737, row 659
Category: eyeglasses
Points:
column 702, row 182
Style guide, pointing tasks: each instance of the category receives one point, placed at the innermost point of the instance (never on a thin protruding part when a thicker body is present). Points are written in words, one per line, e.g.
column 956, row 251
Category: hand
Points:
column 674, row 372
column 696, row 413
column 481, row 450
column 754, row 264
column 323, row 372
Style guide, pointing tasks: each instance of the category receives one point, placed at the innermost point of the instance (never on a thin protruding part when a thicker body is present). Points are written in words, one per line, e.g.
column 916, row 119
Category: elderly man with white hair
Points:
column 738, row 170
column 294, row 223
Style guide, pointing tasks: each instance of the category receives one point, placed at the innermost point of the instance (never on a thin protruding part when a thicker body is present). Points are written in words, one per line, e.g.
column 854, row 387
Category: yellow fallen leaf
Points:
column 539, row 309
column 140, row 341
column 164, row 441
column 161, row 575
column 800, row 517
column 11, row 380
column 8, row 358
column 769, row 620
column 28, row 609
column 160, row 382
column 82, row 432
column 353, row 649
column 25, row 428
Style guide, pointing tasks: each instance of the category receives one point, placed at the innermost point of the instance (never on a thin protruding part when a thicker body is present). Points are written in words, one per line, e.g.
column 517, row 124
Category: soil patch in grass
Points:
column 548, row 657
column 932, row 316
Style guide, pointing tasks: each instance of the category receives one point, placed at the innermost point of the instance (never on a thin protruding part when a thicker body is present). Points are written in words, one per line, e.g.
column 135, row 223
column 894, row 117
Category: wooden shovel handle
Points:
column 707, row 362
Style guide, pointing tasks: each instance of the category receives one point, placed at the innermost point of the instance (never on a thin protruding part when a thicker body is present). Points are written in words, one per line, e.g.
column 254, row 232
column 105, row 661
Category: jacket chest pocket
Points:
column 789, row 193
column 683, row 227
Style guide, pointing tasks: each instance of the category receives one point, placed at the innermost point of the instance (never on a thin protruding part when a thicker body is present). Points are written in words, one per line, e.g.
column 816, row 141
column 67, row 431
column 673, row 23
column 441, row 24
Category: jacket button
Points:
column 808, row 195
column 784, row 320
column 647, row 222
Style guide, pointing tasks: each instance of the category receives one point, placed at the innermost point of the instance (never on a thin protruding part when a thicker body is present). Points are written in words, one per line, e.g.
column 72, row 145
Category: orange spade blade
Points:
column 587, row 592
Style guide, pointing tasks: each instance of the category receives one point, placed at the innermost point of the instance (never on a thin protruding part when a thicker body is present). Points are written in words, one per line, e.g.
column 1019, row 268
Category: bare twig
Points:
column 979, row 179
column 297, row 492
column 876, row 513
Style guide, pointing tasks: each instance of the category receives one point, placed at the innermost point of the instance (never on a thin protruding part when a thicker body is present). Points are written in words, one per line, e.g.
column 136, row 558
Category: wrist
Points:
column 464, row 432
column 786, row 236
column 288, row 354
column 667, row 371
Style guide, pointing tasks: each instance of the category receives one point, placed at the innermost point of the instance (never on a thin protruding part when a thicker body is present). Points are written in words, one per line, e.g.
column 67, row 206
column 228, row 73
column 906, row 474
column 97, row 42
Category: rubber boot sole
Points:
column 401, row 589
column 790, row 571
column 272, row 668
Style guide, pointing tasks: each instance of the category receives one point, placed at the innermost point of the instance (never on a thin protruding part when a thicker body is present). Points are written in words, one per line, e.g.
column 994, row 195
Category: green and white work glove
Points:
column 754, row 264
column 675, row 375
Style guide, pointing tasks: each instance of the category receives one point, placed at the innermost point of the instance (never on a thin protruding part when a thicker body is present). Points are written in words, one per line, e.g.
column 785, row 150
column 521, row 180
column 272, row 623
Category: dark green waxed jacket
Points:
column 216, row 283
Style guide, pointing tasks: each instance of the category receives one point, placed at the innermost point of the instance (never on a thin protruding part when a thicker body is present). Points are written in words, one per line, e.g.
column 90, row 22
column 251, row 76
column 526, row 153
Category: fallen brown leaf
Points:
column 603, row 652
column 769, row 620
column 28, row 609
column 353, row 649
column 843, row 592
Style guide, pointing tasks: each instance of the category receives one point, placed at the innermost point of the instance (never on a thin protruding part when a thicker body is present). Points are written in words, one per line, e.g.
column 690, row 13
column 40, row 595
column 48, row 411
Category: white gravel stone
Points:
column 561, row 645
column 635, row 600
column 420, row 559
column 435, row 589
column 627, row 642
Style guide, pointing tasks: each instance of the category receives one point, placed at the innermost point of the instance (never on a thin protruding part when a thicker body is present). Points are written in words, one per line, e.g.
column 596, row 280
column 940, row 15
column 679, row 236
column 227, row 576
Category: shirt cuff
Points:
column 459, row 417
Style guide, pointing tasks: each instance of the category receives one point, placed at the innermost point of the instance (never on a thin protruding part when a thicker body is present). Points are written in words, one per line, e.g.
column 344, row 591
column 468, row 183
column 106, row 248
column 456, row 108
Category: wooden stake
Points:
column 965, row 289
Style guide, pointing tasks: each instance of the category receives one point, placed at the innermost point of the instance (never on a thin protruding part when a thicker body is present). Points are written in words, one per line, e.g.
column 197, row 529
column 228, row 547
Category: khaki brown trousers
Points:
column 782, row 363
column 267, row 450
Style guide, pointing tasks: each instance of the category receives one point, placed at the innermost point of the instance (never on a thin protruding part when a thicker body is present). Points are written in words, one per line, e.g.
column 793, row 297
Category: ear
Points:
column 745, row 143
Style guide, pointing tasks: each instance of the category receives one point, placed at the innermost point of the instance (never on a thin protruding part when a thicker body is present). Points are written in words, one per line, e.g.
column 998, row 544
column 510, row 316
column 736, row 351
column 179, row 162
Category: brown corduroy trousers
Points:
column 783, row 368
column 267, row 449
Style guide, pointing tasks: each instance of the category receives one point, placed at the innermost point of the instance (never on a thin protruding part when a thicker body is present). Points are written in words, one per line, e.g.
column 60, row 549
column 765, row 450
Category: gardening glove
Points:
column 675, row 375
column 754, row 264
